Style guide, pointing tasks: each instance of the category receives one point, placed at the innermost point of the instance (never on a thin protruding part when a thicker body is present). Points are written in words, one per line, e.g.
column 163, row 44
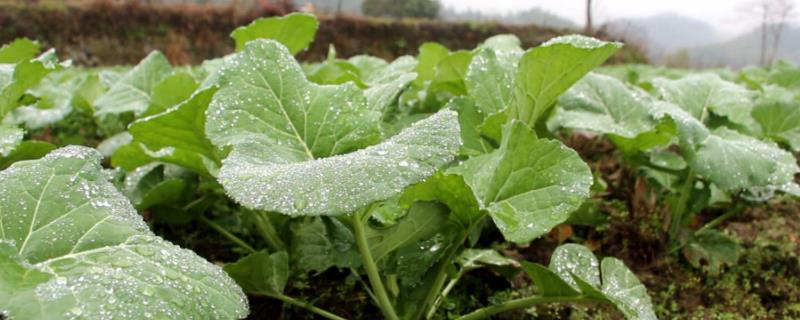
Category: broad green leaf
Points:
column 15, row 79
column 288, row 136
column 260, row 179
column 702, row 94
column 92, row 254
column 296, row 31
column 548, row 282
column 319, row 243
column 528, row 185
column 572, row 261
column 450, row 190
column 780, row 121
column 132, row 92
column 422, row 221
column 470, row 117
column 490, row 76
column 266, row 102
column 26, row 150
column 261, row 272
column 713, row 247
column 386, row 85
column 171, row 91
column 178, row 134
column 610, row 280
column 450, row 72
column 625, row 291
column 545, row 72
column 729, row 159
column 603, row 104
column 54, row 95
column 734, row 162
column 129, row 157
column 18, row 50
column 430, row 53
column 10, row 138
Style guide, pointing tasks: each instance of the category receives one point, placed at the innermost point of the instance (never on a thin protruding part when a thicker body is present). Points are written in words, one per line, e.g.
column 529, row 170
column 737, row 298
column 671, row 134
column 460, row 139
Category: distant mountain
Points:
column 664, row 33
column 745, row 50
column 535, row 16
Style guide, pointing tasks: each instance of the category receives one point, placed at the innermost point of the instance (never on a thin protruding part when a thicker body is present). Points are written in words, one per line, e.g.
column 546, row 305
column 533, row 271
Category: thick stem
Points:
column 372, row 269
column 305, row 305
column 268, row 232
column 441, row 277
column 679, row 212
column 226, row 234
column 523, row 303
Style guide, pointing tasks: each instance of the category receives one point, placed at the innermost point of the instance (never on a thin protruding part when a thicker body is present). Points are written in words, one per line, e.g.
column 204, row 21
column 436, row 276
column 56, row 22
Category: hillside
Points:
column 664, row 33
column 745, row 49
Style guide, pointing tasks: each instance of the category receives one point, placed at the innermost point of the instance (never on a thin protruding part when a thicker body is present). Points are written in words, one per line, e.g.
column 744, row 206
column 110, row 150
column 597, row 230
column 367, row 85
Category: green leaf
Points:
column 319, row 243
column 430, row 54
column 622, row 288
column 780, row 121
column 713, row 247
column 422, row 221
column 110, row 145
column 171, row 91
column 729, row 159
column 605, row 105
column 26, row 150
column 471, row 259
column 572, row 261
column 10, row 138
column 450, row 190
column 470, row 118
column 16, row 79
column 18, row 50
column 296, row 31
column 490, row 80
column 528, row 185
column 341, row 184
column 132, row 92
column 261, row 272
column 545, row 72
column 548, row 282
column 288, row 135
column 610, row 280
column 702, row 94
column 178, row 134
column 266, row 102
column 54, row 94
column 65, row 222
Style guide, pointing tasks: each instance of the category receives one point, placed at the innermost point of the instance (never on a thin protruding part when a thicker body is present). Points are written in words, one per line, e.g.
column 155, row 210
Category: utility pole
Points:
column 588, row 29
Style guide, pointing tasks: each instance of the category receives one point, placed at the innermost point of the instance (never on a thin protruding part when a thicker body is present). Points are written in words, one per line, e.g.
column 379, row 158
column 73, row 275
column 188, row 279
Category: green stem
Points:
column 267, row 231
column 366, row 286
column 372, row 269
column 523, row 303
column 449, row 287
column 679, row 212
column 226, row 234
column 718, row 220
column 441, row 275
column 305, row 305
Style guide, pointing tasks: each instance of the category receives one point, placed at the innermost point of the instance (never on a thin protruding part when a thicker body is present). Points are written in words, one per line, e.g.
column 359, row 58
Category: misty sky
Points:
column 722, row 14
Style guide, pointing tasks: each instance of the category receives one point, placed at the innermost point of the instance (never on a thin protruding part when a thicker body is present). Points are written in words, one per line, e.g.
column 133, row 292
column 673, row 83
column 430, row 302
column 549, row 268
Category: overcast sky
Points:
column 722, row 14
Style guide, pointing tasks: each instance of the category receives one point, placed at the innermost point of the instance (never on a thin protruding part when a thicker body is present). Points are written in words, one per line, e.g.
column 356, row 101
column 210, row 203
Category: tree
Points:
column 588, row 17
column 401, row 8
column 773, row 15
